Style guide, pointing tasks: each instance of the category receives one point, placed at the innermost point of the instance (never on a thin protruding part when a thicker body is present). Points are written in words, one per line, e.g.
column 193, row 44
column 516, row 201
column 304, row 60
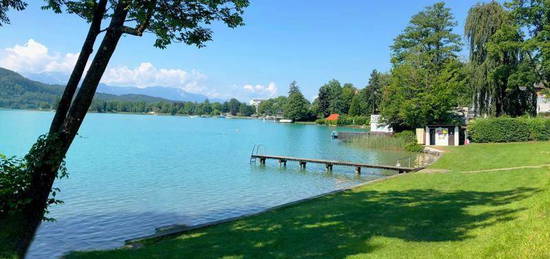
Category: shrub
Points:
column 504, row 129
column 409, row 138
column 14, row 183
column 539, row 128
column 15, row 180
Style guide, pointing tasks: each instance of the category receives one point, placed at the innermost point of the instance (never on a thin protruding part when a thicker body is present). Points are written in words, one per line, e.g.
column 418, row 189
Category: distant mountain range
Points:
column 168, row 93
column 156, row 91
column 19, row 92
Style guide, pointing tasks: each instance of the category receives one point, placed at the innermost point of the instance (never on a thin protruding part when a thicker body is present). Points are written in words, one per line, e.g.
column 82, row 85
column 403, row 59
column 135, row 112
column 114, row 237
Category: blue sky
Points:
column 307, row 41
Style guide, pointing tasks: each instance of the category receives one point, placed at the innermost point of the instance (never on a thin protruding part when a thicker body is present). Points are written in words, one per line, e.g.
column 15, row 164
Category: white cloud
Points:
column 265, row 91
column 147, row 75
column 34, row 57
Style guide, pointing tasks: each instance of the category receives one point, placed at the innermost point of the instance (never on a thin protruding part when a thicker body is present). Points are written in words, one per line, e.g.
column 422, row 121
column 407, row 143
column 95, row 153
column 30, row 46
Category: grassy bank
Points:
column 490, row 156
column 423, row 215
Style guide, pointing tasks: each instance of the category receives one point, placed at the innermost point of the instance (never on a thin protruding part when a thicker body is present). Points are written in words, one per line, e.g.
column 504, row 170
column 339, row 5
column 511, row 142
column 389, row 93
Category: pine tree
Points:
column 297, row 107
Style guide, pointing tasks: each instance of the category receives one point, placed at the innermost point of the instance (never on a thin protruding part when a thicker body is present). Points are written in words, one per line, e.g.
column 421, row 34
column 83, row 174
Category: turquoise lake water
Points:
column 132, row 173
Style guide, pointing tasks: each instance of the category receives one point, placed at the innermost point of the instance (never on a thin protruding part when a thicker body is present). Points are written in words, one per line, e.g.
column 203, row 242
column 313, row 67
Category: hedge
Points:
column 504, row 129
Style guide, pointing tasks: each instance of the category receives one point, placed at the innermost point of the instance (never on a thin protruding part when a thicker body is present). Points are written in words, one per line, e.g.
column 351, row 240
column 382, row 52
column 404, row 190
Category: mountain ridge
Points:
column 169, row 93
column 17, row 91
column 20, row 92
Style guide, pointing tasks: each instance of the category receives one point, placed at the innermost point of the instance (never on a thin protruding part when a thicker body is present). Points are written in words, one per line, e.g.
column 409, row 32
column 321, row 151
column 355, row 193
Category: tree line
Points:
column 333, row 97
column 233, row 107
column 428, row 83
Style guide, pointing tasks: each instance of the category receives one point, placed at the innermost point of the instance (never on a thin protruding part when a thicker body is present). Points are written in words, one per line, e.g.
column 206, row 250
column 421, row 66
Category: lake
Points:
column 129, row 174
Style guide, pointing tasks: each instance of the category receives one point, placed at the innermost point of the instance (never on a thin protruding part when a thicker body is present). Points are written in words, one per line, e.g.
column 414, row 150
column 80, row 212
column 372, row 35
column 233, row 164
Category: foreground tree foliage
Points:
column 6, row 5
column 169, row 21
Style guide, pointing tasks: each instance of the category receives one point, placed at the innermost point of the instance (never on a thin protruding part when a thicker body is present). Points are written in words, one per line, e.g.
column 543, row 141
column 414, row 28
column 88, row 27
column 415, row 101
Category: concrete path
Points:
column 508, row 168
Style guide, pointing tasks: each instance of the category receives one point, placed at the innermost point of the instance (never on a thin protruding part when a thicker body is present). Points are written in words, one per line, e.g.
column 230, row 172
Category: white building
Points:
column 440, row 135
column 376, row 125
column 256, row 103
column 543, row 103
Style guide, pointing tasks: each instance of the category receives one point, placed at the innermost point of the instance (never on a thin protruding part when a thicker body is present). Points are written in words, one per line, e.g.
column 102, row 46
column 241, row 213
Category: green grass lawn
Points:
column 503, row 214
column 490, row 156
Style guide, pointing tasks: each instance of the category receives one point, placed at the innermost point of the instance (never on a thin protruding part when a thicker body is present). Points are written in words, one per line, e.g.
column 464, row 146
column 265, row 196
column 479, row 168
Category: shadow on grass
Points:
column 341, row 225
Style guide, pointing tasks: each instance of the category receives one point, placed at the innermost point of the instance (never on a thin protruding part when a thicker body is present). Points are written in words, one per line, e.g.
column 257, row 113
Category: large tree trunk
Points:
column 78, row 70
column 50, row 154
column 85, row 95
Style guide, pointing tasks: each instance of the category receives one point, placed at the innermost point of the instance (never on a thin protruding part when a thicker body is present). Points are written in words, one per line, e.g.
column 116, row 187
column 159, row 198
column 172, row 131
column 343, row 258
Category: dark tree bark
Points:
column 85, row 95
column 78, row 70
column 50, row 155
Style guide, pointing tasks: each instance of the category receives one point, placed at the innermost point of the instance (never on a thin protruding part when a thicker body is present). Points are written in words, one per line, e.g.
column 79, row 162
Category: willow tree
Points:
column 170, row 21
column 483, row 21
column 501, row 77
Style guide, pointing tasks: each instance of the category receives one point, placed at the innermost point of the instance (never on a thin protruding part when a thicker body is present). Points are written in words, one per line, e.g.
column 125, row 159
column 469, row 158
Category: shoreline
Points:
column 178, row 229
column 199, row 116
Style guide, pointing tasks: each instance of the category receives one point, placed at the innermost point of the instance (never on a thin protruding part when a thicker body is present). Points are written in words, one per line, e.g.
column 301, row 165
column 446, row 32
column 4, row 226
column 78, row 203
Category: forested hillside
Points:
column 19, row 92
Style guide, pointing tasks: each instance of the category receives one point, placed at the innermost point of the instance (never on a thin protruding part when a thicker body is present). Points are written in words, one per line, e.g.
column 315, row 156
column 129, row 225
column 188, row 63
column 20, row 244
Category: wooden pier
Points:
column 330, row 163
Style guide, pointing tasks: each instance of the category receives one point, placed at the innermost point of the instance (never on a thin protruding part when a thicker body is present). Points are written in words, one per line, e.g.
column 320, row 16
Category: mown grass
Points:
column 491, row 156
column 502, row 214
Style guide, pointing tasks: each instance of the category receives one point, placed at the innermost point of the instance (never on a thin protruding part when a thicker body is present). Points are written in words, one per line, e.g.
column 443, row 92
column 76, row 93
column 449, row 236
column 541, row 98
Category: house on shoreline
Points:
column 377, row 125
column 256, row 103
column 543, row 99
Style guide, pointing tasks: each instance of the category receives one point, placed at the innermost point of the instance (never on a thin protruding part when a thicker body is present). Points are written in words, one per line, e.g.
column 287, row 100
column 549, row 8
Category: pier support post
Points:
column 358, row 170
column 262, row 161
column 302, row 165
column 329, row 167
column 282, row 162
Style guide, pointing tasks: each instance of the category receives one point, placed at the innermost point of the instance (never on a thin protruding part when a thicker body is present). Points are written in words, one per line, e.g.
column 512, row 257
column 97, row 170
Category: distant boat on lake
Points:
column 285, row 121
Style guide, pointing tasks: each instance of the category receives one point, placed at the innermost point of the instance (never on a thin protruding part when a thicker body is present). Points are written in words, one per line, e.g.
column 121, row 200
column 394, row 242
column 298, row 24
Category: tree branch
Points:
column 140, row 28
column 130, row 30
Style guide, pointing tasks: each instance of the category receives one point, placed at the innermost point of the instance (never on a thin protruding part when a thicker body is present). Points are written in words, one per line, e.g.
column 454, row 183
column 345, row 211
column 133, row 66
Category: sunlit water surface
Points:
column 132, row 173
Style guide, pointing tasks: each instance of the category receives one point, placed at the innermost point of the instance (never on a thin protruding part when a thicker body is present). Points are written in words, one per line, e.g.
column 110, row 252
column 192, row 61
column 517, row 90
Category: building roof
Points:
column 333, row 117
